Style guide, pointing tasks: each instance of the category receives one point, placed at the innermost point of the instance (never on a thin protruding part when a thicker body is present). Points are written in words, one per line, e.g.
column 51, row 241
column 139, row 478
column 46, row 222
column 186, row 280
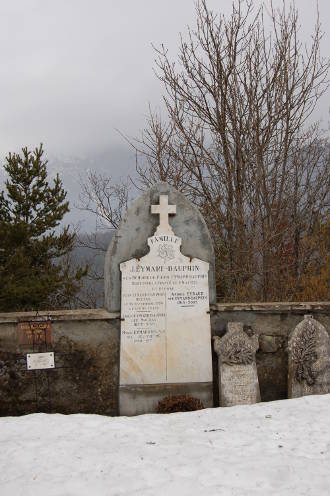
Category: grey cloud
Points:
column 75, row 70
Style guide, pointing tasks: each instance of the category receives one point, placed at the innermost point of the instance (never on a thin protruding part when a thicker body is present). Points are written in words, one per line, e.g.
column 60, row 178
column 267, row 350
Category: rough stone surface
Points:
column 270, row 344
column 86, row 374
column 309, row 359
column 238, row 379
column 278, row 319
column 273, row 375
column 89, row 384
column 139, row 224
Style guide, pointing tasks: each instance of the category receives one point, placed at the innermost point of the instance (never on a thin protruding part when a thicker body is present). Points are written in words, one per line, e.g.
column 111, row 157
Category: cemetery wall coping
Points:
column 274, row 307
column 102, row 314
column 60, row 315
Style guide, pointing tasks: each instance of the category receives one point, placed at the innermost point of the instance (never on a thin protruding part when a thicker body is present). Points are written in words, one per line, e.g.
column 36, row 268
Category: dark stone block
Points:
column 272, row 371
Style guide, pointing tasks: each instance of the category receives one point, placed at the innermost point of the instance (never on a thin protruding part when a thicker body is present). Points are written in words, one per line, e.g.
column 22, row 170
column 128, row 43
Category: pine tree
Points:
column 35, row 269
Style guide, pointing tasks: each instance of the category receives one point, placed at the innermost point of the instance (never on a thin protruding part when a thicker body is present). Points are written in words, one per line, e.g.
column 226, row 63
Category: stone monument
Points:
column 309, row 359
column 165, row 319
column 238, row 379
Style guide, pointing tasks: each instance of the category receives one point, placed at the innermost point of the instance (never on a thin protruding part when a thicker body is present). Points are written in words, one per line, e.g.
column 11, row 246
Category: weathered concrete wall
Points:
column 85, row 378
column 86, row 347
column 273, row 323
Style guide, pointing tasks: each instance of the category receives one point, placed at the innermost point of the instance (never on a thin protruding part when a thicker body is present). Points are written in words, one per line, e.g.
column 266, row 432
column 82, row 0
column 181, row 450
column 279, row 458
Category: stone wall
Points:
column 273, row 323
column 85, row 378
column 86, row 347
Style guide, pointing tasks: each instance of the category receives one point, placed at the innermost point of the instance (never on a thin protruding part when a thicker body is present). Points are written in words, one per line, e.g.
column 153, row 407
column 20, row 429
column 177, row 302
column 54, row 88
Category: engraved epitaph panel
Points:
column 309, row 359
column 238, row 385
column 165, row 329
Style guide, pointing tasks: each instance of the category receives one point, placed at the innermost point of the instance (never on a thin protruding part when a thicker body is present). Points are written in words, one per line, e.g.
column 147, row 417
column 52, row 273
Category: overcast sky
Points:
column 72, row 71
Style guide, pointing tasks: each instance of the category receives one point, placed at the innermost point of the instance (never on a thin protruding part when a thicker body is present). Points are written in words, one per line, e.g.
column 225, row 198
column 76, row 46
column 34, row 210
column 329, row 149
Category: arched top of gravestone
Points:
column 309, row 323
column 138, row 224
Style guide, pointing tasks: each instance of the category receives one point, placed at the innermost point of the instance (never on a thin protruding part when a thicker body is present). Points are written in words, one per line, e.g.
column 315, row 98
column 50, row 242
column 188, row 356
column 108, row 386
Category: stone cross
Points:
column 163, row 209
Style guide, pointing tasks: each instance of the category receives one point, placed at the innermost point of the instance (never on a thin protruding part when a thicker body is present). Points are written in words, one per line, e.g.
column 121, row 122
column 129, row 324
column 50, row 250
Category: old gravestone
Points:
column 238, row 379
column 309, row 359
column 164, row 300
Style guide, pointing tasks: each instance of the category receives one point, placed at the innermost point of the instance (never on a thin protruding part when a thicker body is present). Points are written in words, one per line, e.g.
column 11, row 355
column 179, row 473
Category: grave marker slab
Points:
column 238, row 379
column 309, row 359
column 165, row 322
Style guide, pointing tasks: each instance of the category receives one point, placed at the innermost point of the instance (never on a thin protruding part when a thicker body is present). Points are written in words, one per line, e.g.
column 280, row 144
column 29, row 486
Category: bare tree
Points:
column 239, row 141
column 108, row 200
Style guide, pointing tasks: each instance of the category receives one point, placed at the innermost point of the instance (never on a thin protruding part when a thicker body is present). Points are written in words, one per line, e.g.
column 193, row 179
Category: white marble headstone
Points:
column 165, row 326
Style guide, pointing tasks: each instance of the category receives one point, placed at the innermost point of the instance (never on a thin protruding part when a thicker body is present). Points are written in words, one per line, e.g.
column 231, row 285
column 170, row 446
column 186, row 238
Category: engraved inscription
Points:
column 238, row 384
column 147, row 290
column 34, row 332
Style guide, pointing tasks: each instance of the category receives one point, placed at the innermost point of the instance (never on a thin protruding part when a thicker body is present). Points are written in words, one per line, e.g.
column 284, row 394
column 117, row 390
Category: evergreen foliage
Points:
column 35, row 270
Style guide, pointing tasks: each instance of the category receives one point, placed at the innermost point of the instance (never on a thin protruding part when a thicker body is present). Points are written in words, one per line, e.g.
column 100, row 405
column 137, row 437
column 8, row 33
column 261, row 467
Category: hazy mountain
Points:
column 117, row 162
column 90, row 249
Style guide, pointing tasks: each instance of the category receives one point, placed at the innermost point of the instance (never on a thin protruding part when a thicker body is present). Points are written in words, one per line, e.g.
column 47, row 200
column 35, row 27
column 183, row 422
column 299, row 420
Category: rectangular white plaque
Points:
column 35, row 361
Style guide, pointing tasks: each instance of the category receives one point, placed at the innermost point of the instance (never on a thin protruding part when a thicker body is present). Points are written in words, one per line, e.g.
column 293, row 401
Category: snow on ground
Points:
column 273, row 448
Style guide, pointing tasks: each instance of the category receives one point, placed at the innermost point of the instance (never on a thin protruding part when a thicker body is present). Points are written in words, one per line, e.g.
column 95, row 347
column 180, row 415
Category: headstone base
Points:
column 138, row 399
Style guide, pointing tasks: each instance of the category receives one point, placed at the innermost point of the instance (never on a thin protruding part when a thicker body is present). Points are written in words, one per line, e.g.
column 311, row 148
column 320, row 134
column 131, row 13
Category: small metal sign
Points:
column 34, row 332
column 35, row 361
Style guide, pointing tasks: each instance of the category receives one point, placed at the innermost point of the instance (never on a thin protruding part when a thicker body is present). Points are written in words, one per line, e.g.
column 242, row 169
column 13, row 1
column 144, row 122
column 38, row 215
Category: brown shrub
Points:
column 181, row 403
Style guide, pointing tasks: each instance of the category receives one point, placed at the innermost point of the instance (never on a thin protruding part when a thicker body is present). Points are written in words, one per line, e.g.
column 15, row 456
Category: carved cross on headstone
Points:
column 163, row 209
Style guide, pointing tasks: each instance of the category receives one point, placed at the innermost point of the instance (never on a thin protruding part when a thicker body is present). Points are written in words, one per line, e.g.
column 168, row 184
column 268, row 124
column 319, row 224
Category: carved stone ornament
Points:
column 236, row 347
column 166, row 252
column 303, row 351
column 309, row 358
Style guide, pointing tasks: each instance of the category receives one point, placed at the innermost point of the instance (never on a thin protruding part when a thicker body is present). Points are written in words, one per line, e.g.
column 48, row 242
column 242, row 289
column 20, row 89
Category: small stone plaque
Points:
column 238, row 379
column 34, row 332
column 37, row 361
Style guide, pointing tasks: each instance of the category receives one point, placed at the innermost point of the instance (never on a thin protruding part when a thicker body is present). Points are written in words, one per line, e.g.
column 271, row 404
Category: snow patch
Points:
column 277, row 448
